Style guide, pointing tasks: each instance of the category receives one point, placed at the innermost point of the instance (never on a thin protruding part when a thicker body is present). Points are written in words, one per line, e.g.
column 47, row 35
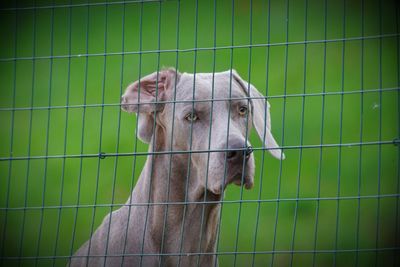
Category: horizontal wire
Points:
column 389, row 89
column 103, row 155
column 177, row 203
column 157, row 51
column 82, row 5
column 321, row 251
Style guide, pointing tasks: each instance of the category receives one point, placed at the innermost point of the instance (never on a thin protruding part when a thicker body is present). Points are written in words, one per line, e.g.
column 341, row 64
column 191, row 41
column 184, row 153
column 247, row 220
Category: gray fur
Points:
column 152, row 185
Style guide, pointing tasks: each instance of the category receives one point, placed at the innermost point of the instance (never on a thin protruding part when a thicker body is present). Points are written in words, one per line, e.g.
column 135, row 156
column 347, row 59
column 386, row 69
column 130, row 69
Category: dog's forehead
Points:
column 207, row 86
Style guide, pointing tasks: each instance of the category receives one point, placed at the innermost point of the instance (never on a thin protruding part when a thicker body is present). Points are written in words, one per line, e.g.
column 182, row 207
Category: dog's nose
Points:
column 237, row 151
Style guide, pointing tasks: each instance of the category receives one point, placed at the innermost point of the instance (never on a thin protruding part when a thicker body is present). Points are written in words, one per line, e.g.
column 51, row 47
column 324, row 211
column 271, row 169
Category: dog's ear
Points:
column 261, row 116
column 144, row 96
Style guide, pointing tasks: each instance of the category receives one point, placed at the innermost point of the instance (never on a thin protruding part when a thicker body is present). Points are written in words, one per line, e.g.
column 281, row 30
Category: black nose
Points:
column 237, row 151
column 232, row 154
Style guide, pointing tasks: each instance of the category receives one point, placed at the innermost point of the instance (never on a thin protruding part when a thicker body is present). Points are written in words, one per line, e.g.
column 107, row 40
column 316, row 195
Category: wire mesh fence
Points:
column 329, row 69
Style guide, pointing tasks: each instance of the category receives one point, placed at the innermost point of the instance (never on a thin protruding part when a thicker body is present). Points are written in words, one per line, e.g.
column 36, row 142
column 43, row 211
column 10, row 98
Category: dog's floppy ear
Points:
column 261, row 116
column 144, row 96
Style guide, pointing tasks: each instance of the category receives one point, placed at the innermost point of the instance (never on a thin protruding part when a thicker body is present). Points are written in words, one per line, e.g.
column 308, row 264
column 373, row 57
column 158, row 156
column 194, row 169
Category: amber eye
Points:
column 243, row 110
column 191, row 117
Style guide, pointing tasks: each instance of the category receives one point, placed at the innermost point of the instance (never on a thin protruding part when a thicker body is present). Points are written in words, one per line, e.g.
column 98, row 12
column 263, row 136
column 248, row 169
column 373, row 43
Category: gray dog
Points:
column 148, row 232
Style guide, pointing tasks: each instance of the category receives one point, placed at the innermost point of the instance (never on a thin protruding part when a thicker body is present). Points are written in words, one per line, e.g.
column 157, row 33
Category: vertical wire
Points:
column 283, row 131
column 171, row 139
column 153, row 139
column 246, row 134
column 340, row 138
column 65, row 136
column 4, row 232
column 92, row 230
column 82, row 137
column 136, row 137
column 100, row 139
column 21, row 241
column 360, row 138
column 118, row 128
column 47, row 136
column 321, row 140
column 209, row 134
column 190, row 135
column 398, row 135
column 263, row 138
column 227, row 134
column 379, row 137
column 301, row 136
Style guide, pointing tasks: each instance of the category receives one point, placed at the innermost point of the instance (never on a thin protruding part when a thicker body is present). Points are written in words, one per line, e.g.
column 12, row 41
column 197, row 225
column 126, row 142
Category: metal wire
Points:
column 246, row 137
column 82, row 140
column 161, row 260
column 40, row 225
column 209, row 135
column 11, row 141
column 103, row 155
column 396, row 260
column 301, row 136
column 321, row 137
column 205, row 202
column 53, row 6
column 50, row 91
column 274, row 240
column 190, row 161
column 62, row 180
column 378, row 221
column 395, row 249
column 207, row 100
column 263, row 151
column 361, row 136
column 339, row 167
column 153, row 137
column 336, row 40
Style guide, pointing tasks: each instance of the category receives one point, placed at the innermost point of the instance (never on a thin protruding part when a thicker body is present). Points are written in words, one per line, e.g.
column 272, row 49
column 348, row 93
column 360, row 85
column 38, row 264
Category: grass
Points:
column 75, row 59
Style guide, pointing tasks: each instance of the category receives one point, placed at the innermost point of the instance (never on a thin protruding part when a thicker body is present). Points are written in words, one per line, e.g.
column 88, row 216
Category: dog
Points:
column 197, row 128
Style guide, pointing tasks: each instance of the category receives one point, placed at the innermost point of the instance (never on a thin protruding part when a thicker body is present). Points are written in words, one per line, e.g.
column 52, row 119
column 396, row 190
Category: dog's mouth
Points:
column 242, row 175
column 239, row 172
column 240, row 179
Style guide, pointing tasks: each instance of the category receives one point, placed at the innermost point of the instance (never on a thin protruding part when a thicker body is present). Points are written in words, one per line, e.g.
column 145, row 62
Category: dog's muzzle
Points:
column 237, row 160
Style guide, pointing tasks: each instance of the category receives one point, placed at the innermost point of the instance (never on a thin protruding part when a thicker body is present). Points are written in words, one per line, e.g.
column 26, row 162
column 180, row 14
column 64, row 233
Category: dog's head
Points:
column 210, row 114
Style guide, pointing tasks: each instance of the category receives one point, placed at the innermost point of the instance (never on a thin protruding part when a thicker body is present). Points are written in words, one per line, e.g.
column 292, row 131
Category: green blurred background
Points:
column 68, row 61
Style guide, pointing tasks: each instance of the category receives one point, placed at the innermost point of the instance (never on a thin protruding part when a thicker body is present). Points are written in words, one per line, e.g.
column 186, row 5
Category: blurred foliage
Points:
column 73, row 59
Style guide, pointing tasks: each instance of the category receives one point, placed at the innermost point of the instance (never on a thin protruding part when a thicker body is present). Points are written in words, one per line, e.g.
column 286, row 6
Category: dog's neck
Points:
column 169, row 181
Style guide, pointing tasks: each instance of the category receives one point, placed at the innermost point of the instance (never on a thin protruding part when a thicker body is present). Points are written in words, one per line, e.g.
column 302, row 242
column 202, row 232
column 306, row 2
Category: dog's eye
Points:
column 243, row 110
column 191, row 117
